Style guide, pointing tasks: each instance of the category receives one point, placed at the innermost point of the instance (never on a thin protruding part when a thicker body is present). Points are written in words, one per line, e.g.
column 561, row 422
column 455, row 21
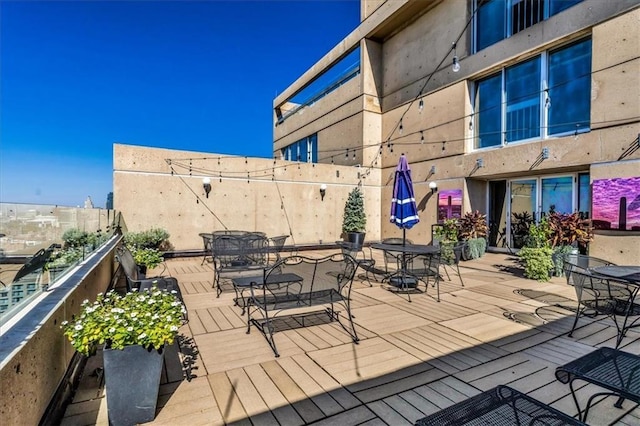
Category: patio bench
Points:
column 501, row 405
column 297, row 286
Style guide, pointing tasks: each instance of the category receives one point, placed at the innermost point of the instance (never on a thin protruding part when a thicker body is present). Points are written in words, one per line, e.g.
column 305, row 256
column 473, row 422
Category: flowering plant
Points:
column 147, row 318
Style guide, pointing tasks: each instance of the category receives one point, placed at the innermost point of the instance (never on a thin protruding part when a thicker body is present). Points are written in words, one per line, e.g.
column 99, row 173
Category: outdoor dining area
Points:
column 390, row 332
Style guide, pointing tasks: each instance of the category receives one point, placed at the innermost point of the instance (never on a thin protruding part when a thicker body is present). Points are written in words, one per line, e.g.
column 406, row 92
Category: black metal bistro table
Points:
column 243, row 283
column 404, row 278
column 501, row 405
column 612, row 369
column 630, row 275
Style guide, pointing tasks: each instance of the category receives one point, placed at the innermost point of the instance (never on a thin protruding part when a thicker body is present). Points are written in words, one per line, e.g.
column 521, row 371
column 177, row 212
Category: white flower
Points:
column 142, row 336
column 174, row 292
column 133, row 314
column 65, row 322
column 78, row 327
column 112, row 330
column 129, row 328
column 173, row 328
column 169, row 318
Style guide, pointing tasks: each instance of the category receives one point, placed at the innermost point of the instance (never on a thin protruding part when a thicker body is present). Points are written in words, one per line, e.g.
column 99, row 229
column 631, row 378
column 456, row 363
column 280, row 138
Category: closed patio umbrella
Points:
column 404, row 212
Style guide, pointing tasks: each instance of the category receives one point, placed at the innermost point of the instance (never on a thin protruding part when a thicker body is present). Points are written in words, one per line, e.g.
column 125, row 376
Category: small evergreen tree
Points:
column 354, row 219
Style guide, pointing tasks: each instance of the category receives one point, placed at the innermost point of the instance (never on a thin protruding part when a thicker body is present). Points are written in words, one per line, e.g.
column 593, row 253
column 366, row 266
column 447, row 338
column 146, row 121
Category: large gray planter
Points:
column 132, row 380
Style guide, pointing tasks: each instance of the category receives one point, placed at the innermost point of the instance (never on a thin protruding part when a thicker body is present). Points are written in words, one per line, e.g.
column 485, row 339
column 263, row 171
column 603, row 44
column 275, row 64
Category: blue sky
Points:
column 77, row 76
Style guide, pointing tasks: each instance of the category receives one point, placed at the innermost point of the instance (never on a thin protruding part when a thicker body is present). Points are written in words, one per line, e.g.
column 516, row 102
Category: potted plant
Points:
column 354, row 220
column 569, row 234
column 134, row 329
column 147, row 258
column 145, row 247
column 472, row 228
column 447, row 236
column 537, row 254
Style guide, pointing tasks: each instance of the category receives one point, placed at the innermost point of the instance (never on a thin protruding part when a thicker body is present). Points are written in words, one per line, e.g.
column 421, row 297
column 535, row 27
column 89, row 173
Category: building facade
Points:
column 511, row 107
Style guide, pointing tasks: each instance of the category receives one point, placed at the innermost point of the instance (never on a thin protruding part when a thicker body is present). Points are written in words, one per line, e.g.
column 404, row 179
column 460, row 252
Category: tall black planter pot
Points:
column 132, row 379
column 356, row 238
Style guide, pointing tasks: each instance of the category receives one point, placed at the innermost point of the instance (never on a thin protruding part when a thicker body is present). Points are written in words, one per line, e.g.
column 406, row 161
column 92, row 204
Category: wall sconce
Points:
column 433, row 187
column 206, row 184
column 479, row 163
column 323, row 191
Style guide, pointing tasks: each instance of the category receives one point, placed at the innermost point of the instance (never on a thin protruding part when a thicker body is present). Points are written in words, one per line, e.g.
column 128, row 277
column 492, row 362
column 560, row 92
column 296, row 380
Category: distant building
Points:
column 109, row 205
column 88, row 204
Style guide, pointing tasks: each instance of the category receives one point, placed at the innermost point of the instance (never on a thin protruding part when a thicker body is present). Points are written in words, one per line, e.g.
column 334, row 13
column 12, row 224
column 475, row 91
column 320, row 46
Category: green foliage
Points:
column 477, row 247
column 537, row 262
column 150, row 319
column 74, row 237
column 155, row 238
column 520, row 223
column 448, row 231
column 354, row 219
column 64, row 258
column 148, row 257
column 539, row 234
column 472, row 225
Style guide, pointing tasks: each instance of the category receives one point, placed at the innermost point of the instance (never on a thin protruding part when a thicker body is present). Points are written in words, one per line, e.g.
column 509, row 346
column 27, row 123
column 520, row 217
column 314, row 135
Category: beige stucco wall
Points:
column 30, row 377
column 279, row 199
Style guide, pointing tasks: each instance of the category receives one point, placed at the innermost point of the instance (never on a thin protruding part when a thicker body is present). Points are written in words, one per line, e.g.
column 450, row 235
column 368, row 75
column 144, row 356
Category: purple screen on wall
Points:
column 449, row 204
column 616, row 204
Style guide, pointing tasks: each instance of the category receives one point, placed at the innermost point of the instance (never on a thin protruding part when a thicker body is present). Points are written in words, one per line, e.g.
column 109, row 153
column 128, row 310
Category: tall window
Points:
column 499, row 19
column 548, row 95
column 305, row 150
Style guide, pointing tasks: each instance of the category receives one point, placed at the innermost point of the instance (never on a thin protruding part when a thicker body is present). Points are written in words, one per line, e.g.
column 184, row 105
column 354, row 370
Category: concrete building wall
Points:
column 406, row 57
column 253, row 194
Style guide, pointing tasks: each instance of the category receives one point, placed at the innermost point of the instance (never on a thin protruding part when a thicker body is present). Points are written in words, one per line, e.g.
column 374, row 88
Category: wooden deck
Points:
column 413, row 358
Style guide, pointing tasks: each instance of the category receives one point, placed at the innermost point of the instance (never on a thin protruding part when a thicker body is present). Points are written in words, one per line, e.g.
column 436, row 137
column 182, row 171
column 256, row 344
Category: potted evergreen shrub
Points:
column 133, row 330
column 354, row 220
column 472, row 228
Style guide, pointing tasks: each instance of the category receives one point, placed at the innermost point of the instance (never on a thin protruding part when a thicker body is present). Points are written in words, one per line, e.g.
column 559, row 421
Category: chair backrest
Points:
column 581, row 262
column 249, row 249
column 128, row 263
column 276, row 244
column 320, row 276
column 600, row 293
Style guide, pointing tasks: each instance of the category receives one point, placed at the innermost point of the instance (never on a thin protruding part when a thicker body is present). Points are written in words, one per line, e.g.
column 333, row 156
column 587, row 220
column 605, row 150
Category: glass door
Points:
column 523, row 208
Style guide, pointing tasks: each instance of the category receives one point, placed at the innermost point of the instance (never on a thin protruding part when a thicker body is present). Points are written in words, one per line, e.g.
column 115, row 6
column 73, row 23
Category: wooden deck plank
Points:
column 292, row 392
column 250, row 398
column 274, row 399
column 230, row 406
column 388, row 414
column 312, row 390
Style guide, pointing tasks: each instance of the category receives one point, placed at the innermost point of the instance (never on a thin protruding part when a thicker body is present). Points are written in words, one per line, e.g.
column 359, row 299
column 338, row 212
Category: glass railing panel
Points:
column 39, row 244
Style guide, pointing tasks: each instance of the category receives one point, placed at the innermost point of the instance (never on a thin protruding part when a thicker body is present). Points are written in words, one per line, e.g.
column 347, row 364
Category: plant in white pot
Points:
column 134, row 328
column 354, row 220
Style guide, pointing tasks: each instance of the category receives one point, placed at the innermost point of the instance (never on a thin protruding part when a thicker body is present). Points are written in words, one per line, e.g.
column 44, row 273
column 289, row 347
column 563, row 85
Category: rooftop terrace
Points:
column 413, row 358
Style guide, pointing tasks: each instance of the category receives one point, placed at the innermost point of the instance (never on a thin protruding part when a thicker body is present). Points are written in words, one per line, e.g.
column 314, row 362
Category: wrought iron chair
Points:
column 598, row 295
column 450, row 257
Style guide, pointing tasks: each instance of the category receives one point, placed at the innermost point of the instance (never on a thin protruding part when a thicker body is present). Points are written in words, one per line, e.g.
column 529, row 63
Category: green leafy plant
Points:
column 537, row 262
column 64, row 258
column 520, row 223
column 148, row 257
column 148, row 318
column 476, row 247
column 354, row 218
column 156, row 238
column 74, row 237
column 559, row 254
column 448, row 230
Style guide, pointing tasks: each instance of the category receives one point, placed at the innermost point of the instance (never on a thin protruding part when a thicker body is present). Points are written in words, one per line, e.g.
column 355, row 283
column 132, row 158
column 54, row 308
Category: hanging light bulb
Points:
column 400, row 128
column 346, row 155
column 354, row 154
column 456, row 64
column 420, row 105
column 421, row 137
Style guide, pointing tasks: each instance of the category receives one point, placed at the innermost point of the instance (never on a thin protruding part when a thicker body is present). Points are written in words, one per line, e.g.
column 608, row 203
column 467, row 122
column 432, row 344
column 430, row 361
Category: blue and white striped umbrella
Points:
column 404, row 212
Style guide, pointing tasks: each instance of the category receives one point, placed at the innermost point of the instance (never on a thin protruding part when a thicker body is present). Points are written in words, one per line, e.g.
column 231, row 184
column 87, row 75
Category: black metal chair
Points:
column 598, row 295
column 450, row 257
column 582, row 262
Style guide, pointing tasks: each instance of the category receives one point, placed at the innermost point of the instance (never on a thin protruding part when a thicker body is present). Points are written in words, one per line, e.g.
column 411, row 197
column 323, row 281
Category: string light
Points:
column 420, row 106
column 400, row 127
column 421, row 137
column 456, row 64
column 346, row 155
